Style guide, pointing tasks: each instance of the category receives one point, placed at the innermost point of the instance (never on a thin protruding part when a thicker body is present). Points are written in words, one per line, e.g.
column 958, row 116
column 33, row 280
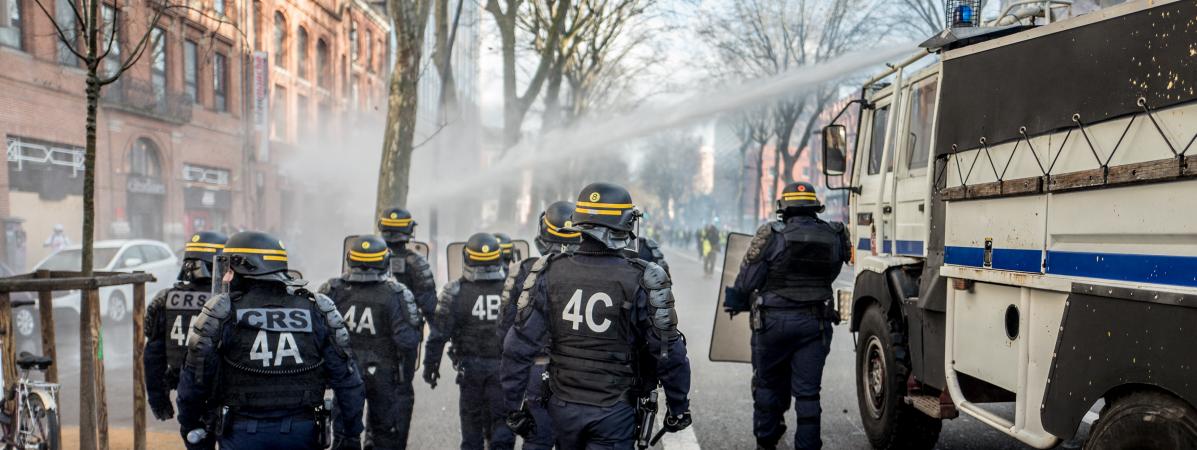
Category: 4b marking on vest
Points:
column 293, row 320
column 186, row 301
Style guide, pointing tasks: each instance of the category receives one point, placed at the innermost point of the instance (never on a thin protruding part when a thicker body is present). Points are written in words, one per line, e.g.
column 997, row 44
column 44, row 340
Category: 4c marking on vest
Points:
column 281, row 320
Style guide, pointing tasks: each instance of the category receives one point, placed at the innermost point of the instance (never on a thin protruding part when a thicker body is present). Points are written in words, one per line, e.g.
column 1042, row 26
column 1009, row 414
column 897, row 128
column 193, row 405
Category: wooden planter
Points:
column 93, row 406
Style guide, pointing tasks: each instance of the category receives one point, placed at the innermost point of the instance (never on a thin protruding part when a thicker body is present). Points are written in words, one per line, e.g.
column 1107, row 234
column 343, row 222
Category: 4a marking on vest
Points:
column 360, row 327
column 293, row 320
column 186, row 301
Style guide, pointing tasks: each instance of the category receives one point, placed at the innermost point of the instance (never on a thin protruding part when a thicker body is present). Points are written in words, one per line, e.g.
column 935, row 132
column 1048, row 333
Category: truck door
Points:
column 912, row 189
column 869, row 229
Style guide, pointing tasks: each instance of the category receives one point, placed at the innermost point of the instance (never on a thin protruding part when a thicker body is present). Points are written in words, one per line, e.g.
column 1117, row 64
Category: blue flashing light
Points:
column 964, row 15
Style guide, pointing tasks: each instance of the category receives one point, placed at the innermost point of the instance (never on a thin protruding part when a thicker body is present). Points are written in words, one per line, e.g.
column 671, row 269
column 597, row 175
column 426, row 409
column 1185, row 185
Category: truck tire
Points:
column 881, row 371
column 1144, row 419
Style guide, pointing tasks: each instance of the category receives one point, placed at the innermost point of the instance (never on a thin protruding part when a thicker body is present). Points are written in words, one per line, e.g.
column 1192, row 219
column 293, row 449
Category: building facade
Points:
column 182, row 143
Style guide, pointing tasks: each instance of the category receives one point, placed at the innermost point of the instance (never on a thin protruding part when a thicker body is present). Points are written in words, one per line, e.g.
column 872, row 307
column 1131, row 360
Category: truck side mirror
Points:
column 835, row 144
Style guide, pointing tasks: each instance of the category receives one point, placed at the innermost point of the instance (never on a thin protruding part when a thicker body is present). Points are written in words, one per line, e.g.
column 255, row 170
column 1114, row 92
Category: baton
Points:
column 656, row 438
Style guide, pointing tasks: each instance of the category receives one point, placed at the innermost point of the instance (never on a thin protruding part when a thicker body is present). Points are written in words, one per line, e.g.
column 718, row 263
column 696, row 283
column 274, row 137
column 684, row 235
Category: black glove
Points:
column 346, row 443
column 162, row 409
column 674, row 424
column 522, row 423
column 431, row 374
column 734, row 301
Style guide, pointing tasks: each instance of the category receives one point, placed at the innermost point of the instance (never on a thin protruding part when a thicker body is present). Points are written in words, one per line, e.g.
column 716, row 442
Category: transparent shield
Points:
column 453, row 259
column 220, row 264
column 521, row 249
column 731, row 336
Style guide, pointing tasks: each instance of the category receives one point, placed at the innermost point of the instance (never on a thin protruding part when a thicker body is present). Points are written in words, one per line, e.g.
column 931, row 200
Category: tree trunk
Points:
column 760, row 195
column 402, row 103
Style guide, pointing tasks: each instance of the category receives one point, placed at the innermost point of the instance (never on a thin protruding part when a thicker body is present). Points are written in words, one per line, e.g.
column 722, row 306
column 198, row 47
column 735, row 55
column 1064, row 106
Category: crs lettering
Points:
column 278, row 325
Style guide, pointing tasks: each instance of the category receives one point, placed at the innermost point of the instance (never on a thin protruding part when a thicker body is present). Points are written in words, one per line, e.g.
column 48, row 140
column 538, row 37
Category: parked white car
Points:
column 129, row 255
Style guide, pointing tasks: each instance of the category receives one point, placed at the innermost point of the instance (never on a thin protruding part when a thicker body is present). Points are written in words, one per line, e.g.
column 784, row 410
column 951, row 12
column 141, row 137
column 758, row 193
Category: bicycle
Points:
column 34, row 424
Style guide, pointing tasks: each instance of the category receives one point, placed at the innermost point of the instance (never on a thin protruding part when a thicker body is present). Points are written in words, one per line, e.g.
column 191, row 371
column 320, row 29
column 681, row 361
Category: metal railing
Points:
column 143, row 98
column 1101, row 175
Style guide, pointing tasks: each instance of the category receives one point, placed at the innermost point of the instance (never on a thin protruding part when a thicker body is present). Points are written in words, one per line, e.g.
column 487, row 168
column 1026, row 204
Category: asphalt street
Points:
column 720, row 398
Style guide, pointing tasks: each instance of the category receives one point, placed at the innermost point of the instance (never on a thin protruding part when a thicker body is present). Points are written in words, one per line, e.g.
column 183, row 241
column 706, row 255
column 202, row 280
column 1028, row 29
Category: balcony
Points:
column 140, row 97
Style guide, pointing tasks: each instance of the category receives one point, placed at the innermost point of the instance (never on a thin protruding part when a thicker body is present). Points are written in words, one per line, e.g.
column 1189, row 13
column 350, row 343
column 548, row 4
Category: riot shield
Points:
column 731, row 337
column 416, row 246
column 453, row 261
column 521, row 249
column 220, row 264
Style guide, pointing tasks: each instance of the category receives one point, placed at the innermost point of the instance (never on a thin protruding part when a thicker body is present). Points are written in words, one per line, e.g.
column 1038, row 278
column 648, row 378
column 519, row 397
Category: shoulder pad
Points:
column 453, row 287
column 159, row 300
column 525, row 297
column 838, row 227
column 333, row 319
column 416, row 260
column 654, row 276
column 329, row 286
column 395, row 285
column 756, row 248
column 205, row 333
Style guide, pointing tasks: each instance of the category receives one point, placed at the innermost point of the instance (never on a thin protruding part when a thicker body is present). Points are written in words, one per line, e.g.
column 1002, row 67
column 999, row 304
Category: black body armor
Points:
column 814, row 254
column 589, row 321
column 273, row 361
column 366, row 310
column 476, row 312
column 180, row 308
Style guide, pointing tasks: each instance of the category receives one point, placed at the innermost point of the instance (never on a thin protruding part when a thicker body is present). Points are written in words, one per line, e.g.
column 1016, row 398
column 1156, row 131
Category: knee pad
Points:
column 807, row 408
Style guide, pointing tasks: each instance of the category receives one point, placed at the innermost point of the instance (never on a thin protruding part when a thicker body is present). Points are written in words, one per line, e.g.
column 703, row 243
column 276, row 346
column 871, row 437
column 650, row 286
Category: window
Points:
column 302, row 119
column 877, row 147
column 220, row 82
column 278, row 113
column 218, row 6
column 369, row 49
column 280, row 40
column 10, row 23
column 190, row 68
column 922, row 112
column 301, row 53
column 259, row 30
column 153, row 253
column 158, row 64
column 66, row 19
column 112, row 63
column 353, row 94
column 353, row 48
column 322, row 66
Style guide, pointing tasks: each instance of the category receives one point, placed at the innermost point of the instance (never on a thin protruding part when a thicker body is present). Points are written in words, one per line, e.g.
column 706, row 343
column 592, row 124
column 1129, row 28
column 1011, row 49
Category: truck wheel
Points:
column 881, row 372
column 1144, row 419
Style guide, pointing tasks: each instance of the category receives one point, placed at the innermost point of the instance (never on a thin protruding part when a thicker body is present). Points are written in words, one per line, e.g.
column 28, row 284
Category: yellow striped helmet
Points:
column 368, row 252
column 396, row 225
column 606, row 205
column 798, row 195
column 556, row 223
column 482, row 249
column 204, row 245
column 255, row 253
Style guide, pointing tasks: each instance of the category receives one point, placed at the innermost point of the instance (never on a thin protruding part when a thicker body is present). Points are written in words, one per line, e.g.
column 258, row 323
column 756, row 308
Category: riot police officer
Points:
column 507, row 246
column 595, row 309
column 552, row 239
column 385, row 329
column 467, row 314
column 790, row 266
column 410, row 268
column 170, row 316
column 260, row 357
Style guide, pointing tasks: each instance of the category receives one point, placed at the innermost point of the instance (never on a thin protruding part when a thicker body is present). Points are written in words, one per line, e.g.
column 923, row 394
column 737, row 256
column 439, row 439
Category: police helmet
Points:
column 799, row 195
column 606, row 205
column 507, row 247
column 254, row 253
column 368, row 252
column 553, row 220
column 482, row 249
column 199, row 253
column 396, row 225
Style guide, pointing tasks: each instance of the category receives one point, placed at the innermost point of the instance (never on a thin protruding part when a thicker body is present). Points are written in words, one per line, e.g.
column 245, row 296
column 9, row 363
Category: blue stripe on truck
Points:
column 904, row 247
column 1155, row 269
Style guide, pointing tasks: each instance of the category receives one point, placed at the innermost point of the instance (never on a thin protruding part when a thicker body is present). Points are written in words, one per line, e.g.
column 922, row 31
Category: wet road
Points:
column 721, row 400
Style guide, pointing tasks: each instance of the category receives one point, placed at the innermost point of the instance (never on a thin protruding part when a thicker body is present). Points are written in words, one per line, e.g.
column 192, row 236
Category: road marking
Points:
column 684, row 440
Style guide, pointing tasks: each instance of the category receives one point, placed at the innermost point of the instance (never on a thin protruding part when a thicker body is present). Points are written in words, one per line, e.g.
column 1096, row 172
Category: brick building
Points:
column 178, row 145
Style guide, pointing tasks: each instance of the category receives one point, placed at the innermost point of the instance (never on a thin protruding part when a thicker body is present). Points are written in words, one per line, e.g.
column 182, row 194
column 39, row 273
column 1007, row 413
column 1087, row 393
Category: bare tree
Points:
column 764, row 38
column 408, row 19
column 606, row 63
column 446, row 38
column 507, row 18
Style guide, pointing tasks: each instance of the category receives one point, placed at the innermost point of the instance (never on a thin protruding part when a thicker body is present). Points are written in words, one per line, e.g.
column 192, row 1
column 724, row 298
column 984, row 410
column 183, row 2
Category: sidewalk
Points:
column 122, row 439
